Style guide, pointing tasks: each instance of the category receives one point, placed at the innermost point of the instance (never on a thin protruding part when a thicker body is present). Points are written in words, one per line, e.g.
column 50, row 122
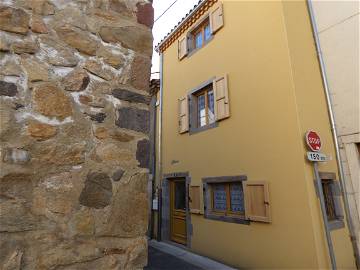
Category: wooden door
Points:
column 178, row 210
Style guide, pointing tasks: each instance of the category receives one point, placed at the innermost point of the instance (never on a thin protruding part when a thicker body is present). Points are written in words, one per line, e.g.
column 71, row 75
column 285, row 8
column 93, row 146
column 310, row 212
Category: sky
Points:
column 167, row 21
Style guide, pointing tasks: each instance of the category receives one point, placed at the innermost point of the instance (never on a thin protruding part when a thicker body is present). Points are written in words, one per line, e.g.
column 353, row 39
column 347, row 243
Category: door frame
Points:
column 165, row 207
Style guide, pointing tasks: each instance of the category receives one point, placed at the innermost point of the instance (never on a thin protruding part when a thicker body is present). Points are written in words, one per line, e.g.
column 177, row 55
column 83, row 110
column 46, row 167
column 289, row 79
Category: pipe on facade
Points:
column 159, row 150
column 334, row 133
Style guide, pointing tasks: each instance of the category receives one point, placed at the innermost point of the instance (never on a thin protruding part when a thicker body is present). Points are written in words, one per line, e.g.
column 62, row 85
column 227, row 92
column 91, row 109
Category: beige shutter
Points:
column 183, row 115
column 216, row 17
column 183, row 48
column 194, row 199
column 221, row 95
column 257, row 204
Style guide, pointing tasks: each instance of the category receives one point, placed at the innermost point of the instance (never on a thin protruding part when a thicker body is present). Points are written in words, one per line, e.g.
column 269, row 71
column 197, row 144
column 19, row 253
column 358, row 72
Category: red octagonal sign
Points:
column 313, row 140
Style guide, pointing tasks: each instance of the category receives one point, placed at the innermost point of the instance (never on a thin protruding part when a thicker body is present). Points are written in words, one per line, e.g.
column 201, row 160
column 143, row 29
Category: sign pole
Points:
column 324, row 215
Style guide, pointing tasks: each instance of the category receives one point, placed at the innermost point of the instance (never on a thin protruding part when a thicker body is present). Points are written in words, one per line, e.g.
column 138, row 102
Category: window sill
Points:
column 193, row 51
column 336, row 224
column 230, row 219
column 203, row 128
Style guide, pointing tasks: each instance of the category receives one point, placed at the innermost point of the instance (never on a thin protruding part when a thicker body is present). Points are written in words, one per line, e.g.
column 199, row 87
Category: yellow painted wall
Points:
column 275, row 90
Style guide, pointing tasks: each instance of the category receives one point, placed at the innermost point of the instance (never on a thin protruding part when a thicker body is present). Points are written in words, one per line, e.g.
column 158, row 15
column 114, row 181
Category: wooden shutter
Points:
column 194, row 199
column 257, row 204
column 216, row 17
column 221, row 95
column 183, row 115
column 336, row 191
column 182, row 47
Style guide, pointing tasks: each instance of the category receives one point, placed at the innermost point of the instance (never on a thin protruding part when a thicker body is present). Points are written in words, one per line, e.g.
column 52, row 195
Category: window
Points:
column 332, row 199
column 200, row 35
column 233, row 199
column 329, row 200
column 228, row 199
column 205, row 106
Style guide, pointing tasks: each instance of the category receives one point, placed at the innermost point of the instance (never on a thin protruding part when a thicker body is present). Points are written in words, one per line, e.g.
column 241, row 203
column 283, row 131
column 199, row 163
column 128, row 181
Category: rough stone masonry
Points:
column 74, row 123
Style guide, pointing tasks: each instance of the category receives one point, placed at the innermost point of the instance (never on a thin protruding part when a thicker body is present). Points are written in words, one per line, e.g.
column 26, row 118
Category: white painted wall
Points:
column 338, row 25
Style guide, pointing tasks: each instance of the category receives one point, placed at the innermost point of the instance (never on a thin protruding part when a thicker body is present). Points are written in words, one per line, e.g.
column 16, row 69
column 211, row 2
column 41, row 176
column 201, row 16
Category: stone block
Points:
column 98, row 69
column 97, row 192
column 130, row 96
column 8, row 89
column 145, row 14
column 131, row 37
column 78, row 39
column 77, row 80
column 51, row 101
column 134, row 119
column 37, row 25
column 143, row 153
column 140, row 73
column 41, row 131
column 14, row 20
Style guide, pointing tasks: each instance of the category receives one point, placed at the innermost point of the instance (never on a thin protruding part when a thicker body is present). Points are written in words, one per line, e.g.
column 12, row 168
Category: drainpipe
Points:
column 159, row 150
column 334, row 132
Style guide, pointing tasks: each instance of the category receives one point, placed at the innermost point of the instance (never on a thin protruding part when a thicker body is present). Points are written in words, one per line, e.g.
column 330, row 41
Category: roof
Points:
column 154, row 86
column 199, row 9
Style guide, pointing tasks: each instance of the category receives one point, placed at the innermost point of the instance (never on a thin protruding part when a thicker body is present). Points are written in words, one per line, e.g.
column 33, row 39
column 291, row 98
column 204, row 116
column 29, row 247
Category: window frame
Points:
column 191, row 35
column 226, row 216
column 329, row 177
column 193, row 109
column 204, row 91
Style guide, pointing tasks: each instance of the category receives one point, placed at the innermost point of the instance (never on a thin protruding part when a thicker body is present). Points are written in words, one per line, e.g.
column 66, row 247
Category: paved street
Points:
column 164, row 256
column 159, row 260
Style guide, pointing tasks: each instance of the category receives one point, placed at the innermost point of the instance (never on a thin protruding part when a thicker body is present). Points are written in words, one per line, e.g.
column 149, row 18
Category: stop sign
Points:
column 313, row 140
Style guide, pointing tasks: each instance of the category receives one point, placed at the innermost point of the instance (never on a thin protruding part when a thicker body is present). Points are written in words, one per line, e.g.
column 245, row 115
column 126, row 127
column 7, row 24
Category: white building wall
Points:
column 338, row 24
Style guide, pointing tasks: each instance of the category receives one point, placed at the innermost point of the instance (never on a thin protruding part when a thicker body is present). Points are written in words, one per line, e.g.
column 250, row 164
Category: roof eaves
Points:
column 180, row 23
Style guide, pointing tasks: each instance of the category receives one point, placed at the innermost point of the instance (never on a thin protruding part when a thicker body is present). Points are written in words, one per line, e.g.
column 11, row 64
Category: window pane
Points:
column 207, row 32
column 219, row 197
column 329, row 200
column 237, row 198
column 180, row 192
column 201, row 111
column 211, row 108
column 198, row 40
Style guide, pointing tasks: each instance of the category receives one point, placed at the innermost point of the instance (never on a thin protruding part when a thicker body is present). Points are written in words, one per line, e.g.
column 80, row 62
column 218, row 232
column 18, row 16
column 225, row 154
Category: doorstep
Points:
column 189, row 257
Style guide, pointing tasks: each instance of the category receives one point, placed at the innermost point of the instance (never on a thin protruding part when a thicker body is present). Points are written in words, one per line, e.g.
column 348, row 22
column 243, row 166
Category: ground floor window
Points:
column 332, row 198
column 228, row 198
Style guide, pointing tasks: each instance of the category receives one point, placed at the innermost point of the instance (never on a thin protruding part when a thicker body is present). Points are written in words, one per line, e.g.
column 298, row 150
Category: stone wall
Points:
column 74, row 123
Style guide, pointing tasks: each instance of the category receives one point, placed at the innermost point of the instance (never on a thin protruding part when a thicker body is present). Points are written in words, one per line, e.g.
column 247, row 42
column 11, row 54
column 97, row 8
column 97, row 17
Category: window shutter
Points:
column 221, row 95
column 216, row 18
column 183, row 48
column 336, row 190
column 183, row 115
column 194, row 199
column 257, row 205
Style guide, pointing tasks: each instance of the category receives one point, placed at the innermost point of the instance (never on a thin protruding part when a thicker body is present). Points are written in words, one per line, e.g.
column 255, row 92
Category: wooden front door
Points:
column 178, row 210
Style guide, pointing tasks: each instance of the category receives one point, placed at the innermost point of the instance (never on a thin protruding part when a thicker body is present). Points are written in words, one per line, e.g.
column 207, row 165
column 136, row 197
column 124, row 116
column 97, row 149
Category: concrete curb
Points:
column 189, row 257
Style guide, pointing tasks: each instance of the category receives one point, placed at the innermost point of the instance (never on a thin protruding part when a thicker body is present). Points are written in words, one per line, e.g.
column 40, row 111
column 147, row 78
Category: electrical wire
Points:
column 165, row 11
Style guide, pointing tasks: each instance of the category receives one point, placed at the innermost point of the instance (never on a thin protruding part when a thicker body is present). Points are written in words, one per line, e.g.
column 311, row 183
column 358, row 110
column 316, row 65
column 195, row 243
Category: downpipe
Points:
column 159, row 190
column 334, row 133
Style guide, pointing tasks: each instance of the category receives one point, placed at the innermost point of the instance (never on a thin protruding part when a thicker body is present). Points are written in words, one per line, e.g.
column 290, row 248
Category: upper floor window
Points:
column 205, row 106
column 201, row 34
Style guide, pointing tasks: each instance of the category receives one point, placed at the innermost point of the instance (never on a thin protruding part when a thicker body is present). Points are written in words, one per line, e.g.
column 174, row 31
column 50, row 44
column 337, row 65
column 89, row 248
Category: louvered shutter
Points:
column 257, row 204
column 221, row 96
column 336, row 191
column 216, row 17
column 182, row 47
column 183, row 114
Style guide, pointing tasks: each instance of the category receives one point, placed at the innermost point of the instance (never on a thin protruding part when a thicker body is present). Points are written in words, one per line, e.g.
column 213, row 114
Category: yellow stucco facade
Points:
column 267, row 50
